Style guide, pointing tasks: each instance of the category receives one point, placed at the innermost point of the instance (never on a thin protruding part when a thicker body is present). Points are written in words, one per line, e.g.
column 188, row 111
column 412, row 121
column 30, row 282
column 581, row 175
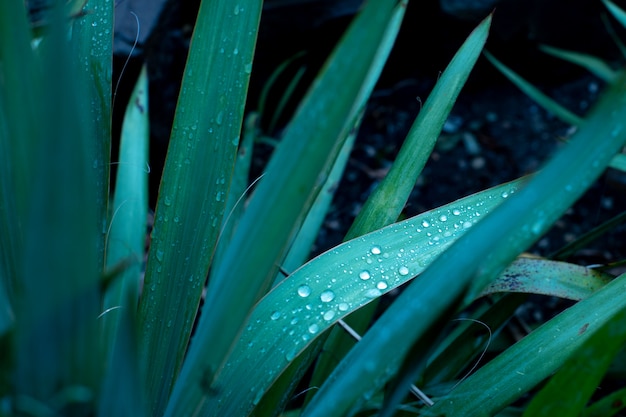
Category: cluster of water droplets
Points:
column 361, row 272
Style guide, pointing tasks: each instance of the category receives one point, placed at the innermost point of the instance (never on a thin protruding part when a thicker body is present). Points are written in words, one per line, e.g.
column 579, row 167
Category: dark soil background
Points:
column 494, row 134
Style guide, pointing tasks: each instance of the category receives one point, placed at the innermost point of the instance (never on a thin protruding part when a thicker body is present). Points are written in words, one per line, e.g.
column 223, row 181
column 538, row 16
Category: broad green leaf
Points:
column 476, row 259
column 534, row 358
column 127, row 232
column 194, row 186
column 294, row 176
column 333, row 285
column 58, row 301
column 534, row 93
column 567, row 392
column 591, row 63
column 557, row 279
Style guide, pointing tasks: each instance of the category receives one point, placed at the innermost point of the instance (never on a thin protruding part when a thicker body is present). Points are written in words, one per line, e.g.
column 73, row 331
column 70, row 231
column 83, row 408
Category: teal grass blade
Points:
column 194, row 187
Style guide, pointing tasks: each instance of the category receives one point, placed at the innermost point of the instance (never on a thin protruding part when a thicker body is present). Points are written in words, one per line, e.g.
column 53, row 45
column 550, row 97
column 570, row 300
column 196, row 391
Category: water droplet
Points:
column 456, row 212
column 327, row 296
column 167, row 201
column 290, row 355
column 382, row 285
column 218, row 196
column 373, row 293
column 443, row 217
column 236, row 11
column 159, row 255
column 248, row 68
column 343, row 306
column 236, row 51
column 314, row 328
column 329, row 315
column 275, row 315
column 403, row 270
column 504, row 194
column 220, row 118
column 294, row 321
column 169, row 323
column 467, row 225
column 425, row 223
column 365, row 275
column 304, row 290
column 376, row 250
column 176, row 219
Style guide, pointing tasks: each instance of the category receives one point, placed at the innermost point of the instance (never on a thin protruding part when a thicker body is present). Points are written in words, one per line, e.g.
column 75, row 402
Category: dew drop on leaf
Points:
column 327, row 296
column 329, row 315
column 382, row 285
column 403, row 270
column 376, row 250
column 275, row 315
column 343, row 306
column 365, row 275
column 373, row 293
column 314, row 328
column 304, row 290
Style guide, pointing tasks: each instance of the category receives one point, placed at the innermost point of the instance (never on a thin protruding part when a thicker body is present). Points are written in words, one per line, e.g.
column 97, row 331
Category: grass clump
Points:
column 85, row 331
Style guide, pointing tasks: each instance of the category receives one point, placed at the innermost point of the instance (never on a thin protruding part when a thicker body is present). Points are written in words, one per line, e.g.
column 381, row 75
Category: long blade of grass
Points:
column 557, row 279
column 127, row 232
column 56, row 340
column 477, row 258
column 93, row 34
column 293, row 178
column 618, row 13
column 571, row 248
column 591, row 63
column 194, row 186
column 123, row 389
column 568, row 392
column 534, row 358
column 534, row 93
column 608, row 406
column 326, row 289
column 388, row 199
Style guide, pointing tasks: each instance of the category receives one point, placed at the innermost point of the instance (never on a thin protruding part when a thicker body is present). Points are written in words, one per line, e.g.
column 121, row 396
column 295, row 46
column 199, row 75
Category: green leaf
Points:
column 534, row 93
column 568, row 392
column 475, row 259
column 127, row 233
column 591, row 63
column 293, row 178
column 388, row 199
column 385, row 204
column 194, row 186
column 592, row 235
column 558, row 279
column 608, row 406
column 58, row 299
column 534, row 358
column 618, row 14
column 332, row 286
column 92, row 34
